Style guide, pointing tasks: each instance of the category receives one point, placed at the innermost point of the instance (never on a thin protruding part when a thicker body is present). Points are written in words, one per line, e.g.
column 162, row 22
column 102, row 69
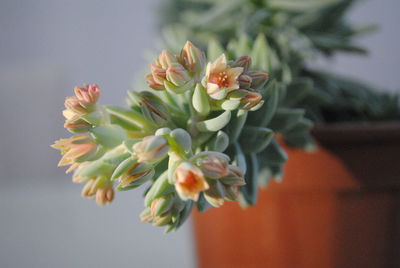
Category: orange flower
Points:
column 190, row 181
column 220, row 78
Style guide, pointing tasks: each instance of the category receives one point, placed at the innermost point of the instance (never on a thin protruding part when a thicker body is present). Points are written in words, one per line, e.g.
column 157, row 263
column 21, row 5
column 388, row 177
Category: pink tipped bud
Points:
column 214, row 166
column 99, row 189
column 235, row 177
column 250, row 100
column 166, row 59
column 140, row 171
column 153, row 84
column 244, row 62
column 259, row 79
column 159, row 74
column 75, row 124
column 151, row 149
column 245, row 81
column 178, row 75
column 73, row 104
column 88, row 94
column 192, row 57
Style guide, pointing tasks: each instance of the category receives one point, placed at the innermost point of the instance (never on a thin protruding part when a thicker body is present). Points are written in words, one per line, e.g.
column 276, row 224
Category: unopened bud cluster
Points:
column 171, row 138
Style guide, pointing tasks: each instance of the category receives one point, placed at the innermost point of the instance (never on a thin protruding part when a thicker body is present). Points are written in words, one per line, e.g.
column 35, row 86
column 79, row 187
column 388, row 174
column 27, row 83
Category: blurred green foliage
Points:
column 296, row 33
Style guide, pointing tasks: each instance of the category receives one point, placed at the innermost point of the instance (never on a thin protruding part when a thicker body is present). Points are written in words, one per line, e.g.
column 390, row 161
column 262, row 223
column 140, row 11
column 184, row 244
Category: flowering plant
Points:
column 188, row 137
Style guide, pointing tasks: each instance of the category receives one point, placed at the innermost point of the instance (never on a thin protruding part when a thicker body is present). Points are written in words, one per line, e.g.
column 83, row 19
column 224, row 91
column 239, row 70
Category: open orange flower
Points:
column 220, row 78
column 190, row 181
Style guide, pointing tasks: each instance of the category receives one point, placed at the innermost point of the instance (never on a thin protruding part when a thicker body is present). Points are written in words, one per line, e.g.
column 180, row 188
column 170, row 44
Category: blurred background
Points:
column 46, row 48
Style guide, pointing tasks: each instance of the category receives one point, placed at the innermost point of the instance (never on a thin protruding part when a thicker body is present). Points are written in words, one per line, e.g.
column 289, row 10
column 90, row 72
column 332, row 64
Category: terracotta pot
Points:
column 337, row 207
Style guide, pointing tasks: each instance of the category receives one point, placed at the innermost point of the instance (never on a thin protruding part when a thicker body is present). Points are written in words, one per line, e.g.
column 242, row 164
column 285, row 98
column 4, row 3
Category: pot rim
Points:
column 358, row 132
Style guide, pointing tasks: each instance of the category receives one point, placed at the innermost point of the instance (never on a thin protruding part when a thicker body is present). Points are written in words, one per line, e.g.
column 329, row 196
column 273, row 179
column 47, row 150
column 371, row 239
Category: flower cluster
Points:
column 177, row 138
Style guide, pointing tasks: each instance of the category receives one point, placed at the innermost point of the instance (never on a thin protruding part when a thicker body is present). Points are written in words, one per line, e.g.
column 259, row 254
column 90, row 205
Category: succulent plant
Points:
column 202, row 134
column 296, row 32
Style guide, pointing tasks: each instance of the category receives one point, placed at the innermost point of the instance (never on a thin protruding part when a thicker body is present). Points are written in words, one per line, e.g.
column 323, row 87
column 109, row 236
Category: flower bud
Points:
column 74, row 123
column 234, row 177
column 245, row 81
column 99, row 189
column 232, row 192
column 244, row 62
column 88, row 94
column 151, row 149
column 162, row 220
column 74, row 148
column 214, row 166
column 166, row 59
column 178, row 75
column 216, row 194
column 189, row 181
column 138, row 174
column 259, row 79
column 145, row 216
column 159, row 74
column 214, row 201
column 153, row 84
column 192, row 58
column 73, row 104
column 161, row 205
column 250, row 99
column 152, row 106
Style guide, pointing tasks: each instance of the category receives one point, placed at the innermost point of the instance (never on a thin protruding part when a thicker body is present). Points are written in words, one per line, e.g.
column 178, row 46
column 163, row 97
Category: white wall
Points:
column 47, row 47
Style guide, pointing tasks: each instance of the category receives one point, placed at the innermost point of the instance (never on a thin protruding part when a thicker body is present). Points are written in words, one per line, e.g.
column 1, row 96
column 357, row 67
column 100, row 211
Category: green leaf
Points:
column 179, row 89
column 286, row 118
column 260, row 53
column 235, row 126
column 255, row 139
column 128, row 144
column 93, row 118
column 200, row 100
column 263, row 116
column 301, row 5
column 129, row 116
column 159, row 188
column 239, row 159
column 250, row 190
column 273, row 154
column 184, row 215
column 214, row 50
column 304, row 125
column 182, row 138
column 214, row 124
column 298, row 90
column 230, row 105
column 109, row 135
column 219, row 142
column 202, row 204
column 95, row 168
